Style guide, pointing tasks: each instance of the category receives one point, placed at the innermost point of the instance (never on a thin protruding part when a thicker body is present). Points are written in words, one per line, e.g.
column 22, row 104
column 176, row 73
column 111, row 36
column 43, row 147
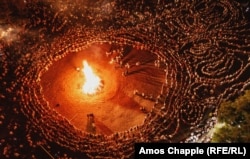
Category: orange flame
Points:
column 92, row 82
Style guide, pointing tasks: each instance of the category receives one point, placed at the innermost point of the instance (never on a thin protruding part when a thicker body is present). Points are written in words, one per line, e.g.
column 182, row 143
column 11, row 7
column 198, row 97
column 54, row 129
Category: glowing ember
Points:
column 92, row 82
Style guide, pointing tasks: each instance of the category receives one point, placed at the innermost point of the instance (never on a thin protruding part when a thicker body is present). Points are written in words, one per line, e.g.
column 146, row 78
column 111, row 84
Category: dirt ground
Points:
column 115, row 107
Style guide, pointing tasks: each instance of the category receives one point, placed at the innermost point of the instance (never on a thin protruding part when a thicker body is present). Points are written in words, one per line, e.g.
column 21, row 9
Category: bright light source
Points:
column 92, row 82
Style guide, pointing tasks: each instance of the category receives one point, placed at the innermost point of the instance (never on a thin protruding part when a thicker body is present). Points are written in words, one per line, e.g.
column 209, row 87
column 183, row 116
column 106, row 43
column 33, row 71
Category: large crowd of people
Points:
column 203, row 47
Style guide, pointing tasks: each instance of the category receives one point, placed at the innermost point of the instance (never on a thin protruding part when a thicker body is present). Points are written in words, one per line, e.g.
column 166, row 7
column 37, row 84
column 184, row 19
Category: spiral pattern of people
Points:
column 89, row 78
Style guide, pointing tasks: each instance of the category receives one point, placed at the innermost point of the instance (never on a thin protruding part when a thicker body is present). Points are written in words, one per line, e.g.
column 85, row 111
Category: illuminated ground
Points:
column 115, row 107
